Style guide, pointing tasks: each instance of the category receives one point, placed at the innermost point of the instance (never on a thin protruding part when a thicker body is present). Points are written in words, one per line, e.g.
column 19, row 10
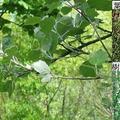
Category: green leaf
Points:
column 45, row 44
column 75, row 31
column 65, row 10
column 80, row 22
column 34, row 54
column 83, row 6
column 52, row 4
column 98, row 58
column 32, row 21
column 64, row 25
column 91, row 13
column 87, row 69
column 54, row 41
column 100, row 4
column 49, row 43
column 38, row 34
column 47, row 24
column 24, row 4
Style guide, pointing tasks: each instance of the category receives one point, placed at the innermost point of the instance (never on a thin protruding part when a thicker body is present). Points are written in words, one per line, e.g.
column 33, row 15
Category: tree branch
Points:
column 77, row 78
column 16, row 62
column 82, row 46
column 104, row 29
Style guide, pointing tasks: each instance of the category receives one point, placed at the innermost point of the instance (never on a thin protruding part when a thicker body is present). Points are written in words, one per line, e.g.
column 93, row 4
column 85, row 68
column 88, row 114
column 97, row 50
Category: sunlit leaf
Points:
column 32, row 21
column 99, row 57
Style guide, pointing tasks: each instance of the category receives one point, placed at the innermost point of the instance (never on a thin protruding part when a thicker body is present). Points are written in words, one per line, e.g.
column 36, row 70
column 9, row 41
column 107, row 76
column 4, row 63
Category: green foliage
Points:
column 98, row 58
column 65, row 10
column 87, row 69
column 100, row 4
column 32, row 21
column 47, row 24
column 64, row 25
column 57, row 33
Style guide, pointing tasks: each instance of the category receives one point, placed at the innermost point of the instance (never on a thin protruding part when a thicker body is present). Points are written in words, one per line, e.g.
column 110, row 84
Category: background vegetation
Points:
column 74, row 38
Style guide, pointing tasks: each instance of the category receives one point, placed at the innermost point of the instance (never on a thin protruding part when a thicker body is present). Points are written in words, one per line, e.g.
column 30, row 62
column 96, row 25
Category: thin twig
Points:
column 59, row 85
column 63, row 101
column 104, row 29
column 16, row 62
column 73, row 50
column 77, row 78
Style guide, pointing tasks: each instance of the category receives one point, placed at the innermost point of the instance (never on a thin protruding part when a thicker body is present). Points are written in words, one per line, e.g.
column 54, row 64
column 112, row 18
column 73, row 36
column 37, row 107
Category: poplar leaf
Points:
column 43, row 69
